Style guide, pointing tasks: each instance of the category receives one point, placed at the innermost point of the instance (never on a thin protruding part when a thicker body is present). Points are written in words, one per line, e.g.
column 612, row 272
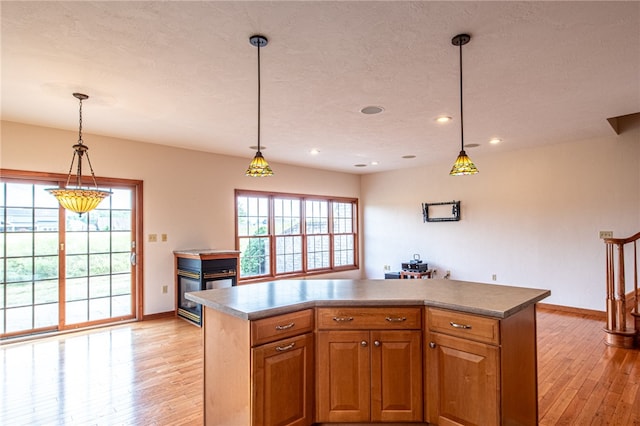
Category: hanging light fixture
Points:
column 463, row 164
column 259, row 166
column 79, row 200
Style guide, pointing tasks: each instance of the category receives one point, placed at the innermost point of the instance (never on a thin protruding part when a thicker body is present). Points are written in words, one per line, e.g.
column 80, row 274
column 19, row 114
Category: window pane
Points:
column 120, row 263
column 77, row 265
column 288, row 254
column 19, row 319
column 253, row 216
column 120, row 220
column 19, row 194
column 317, row 217
column 99, row 286
column 254, row 257
column 46, row 291
column 19, row 244
column 121, row 306
column 19, row 220
column 41, row 198
column 19, row 294
column 99, row 308
column 45, row 315
column 46, row 267
column 76, row 243
column 121, row 241
column 343, row 250
column 45, row 243
column 77, row 289
column 46, row 219
column 120, row 284
column 100, row 242
column 99, row 264
column 19, row 269
column 76, row 312
column 286, row 216
column 318, row 252
column 342, row 218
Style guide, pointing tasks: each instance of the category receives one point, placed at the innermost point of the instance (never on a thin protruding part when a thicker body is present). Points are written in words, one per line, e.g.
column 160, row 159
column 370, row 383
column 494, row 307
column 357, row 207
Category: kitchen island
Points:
column 299, row 352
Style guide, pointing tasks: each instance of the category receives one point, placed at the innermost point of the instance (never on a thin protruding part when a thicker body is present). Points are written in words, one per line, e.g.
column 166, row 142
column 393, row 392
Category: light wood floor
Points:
column 149, row 373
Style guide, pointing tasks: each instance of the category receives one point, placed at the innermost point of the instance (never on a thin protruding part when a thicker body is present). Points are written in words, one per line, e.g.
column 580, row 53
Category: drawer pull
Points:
column 396, row 319
column 285, row 348
column 342, row 319
column 285, row 327
column 463, row 326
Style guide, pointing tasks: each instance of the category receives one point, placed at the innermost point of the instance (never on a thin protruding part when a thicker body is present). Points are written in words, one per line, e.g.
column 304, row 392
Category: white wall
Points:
column 531, row 217
column 188, row 195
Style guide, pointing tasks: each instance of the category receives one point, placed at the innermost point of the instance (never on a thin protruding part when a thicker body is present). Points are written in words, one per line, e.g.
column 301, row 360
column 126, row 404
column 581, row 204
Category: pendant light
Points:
column 78, row 199
column 259, row 166
column 463, row 164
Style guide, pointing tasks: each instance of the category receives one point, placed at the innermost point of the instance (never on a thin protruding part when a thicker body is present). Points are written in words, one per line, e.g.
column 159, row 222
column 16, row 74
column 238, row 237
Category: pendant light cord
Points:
column 461, row 113
column 259, row 96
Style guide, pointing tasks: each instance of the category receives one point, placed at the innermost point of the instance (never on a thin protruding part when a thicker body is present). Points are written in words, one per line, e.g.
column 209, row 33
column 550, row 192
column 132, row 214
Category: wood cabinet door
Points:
column 463, row 386
column 396, row 376
column 343, row 375
column 283, row 382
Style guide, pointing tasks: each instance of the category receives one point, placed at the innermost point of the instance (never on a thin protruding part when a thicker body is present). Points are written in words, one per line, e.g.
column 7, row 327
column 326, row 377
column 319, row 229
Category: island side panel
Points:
column 227, row 369
column 519, row 368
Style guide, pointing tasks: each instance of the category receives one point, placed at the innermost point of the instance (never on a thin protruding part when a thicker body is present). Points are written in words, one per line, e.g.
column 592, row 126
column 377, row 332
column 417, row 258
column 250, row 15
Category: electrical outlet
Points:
column 153, row 238
column 606, row 234
column 387, row 267
column 164, row 238
column 165, row 289
column 494, row 277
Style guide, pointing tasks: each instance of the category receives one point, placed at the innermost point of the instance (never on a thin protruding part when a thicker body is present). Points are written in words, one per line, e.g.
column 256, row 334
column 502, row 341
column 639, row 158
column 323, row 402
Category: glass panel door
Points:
column 99, row 279
column 62, row 270
column 29, row 258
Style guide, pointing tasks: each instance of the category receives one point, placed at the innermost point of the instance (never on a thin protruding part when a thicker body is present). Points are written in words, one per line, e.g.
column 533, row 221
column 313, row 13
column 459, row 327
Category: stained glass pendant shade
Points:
column 79, row 199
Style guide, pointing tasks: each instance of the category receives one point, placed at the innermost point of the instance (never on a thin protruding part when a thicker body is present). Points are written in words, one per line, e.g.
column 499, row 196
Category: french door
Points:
column 61, row 270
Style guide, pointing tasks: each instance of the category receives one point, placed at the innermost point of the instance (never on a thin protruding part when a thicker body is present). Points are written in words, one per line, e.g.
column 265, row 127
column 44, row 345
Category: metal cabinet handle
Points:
column 396, row 319
column 285, row 327
column 377, row 343
column 342, row 319
column 285, row 348
column 364, row 343
column 463, row 326
column 432, row 345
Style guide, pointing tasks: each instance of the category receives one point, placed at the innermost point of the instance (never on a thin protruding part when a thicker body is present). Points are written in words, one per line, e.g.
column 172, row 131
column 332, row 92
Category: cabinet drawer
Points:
column 387, row 318
column 464, row 325
column 281, row 326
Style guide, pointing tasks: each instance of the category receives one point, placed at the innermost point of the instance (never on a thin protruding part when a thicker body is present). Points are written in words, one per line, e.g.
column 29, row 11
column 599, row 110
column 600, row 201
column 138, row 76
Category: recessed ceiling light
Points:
column 255, row 147
column 443, row 119
column 359, row 165
column 371, row 110
column 472, row 145
column 408, row 156
column 374, row 163
column 495, row 141
column 314, row 151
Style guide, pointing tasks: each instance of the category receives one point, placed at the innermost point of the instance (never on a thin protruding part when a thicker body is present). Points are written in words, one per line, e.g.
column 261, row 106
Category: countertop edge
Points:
column 292, row 307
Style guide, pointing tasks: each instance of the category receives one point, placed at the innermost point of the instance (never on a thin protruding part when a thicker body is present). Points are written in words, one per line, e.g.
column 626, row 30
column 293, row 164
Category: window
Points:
column 284, row 234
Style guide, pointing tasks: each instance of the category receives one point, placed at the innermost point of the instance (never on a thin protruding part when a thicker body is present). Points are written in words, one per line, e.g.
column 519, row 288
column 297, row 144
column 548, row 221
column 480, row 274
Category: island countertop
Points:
column 256, row 301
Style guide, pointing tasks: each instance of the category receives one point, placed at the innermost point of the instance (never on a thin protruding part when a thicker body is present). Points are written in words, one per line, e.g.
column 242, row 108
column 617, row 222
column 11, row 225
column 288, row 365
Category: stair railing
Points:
column 617, row 332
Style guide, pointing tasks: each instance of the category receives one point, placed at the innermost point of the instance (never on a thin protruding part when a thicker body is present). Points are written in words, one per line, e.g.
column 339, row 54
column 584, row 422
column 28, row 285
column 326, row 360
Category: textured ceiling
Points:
column 184, row 74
